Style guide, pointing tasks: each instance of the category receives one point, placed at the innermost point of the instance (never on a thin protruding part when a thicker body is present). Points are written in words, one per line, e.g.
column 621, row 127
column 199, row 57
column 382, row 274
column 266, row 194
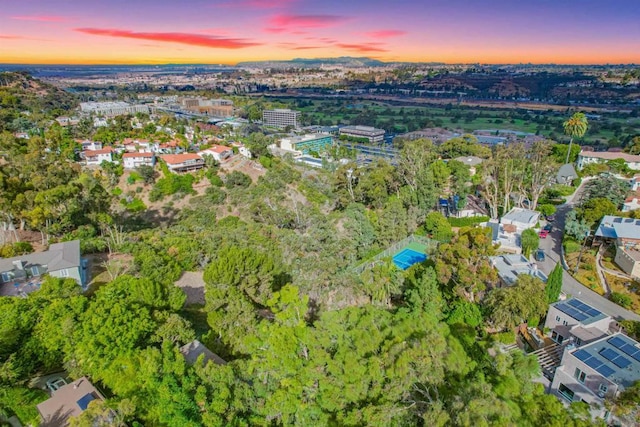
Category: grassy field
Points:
column 398, row 118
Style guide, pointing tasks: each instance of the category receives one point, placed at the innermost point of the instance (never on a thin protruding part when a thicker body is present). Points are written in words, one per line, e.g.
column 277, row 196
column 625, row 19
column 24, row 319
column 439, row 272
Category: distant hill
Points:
column 21, row 95
column 343, row 61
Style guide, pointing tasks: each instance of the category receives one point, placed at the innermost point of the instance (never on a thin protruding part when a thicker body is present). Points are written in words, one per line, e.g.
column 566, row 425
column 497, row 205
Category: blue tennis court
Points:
column 407, row 257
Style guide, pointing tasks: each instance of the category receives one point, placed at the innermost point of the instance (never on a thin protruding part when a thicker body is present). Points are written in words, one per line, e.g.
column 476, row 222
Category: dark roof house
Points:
column 194, row 349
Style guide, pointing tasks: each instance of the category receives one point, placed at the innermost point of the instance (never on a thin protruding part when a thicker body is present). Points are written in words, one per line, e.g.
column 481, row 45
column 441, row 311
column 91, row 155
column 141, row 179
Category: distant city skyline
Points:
column 228, row 31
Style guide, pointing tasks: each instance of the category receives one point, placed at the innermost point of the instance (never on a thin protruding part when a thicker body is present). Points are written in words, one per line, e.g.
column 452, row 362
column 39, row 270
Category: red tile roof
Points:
column 137, row 155
column 219, row 149
column 89, row 153
column 174, row 159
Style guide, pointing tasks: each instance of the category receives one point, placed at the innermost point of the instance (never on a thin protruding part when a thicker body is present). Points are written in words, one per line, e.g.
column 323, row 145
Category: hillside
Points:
column 25, row 99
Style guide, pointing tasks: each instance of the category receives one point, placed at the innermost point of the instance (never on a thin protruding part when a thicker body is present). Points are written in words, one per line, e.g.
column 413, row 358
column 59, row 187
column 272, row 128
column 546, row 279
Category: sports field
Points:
column 411, row 254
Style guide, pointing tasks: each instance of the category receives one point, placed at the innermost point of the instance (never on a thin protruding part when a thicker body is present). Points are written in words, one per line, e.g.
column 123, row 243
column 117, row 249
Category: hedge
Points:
column 467, row 221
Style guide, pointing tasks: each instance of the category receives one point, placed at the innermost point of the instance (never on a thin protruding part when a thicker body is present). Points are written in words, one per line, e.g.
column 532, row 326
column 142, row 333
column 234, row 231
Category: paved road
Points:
column 570, row 286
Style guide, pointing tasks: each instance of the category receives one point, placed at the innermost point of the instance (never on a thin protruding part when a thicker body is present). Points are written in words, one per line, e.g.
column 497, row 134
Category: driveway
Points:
column 570, row 286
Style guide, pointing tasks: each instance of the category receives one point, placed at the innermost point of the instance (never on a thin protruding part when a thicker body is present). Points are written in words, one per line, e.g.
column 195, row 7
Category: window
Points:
column 557, row 337
column 64, row 273
column 557, row 318
column 580, row 375
column 34, row 271
column 564, row 322
column 6, row 277
column 603, row 388
column 578, row 342
column 566, row 392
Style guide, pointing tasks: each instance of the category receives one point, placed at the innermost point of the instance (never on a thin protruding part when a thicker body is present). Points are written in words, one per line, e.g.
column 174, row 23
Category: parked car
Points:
column 539, row 256
column 548, row 228
column 551, row 218
column 55, row 383
column 543, row 234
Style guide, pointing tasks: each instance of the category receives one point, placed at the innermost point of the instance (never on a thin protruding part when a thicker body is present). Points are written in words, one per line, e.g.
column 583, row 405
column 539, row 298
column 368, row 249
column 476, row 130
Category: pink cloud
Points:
column 42, row 18
column 256, row 4
column 305, row 21
column 361, row 47
column 182, row 38
column 294, row 46
column 385, row 34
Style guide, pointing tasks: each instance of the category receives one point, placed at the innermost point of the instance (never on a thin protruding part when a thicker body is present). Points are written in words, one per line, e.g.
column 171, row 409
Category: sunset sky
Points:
column 229, row 31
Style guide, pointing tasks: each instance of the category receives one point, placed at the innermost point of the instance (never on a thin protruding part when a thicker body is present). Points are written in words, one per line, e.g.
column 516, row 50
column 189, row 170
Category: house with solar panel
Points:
column 597, row 361
column 597, row 371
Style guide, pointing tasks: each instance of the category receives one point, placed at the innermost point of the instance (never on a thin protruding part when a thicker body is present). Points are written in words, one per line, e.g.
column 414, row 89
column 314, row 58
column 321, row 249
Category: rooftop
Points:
column 511, row 266
column 125, row 155
column 469, row 160
column 194, row 349
column 608, row 155
column 614, row 227
column 173, row 159
column 91, row 153
column 218, row 149
column 581, row 312
column 68, row 401
column 59, row 256
column 614, row 357
column 524, row 216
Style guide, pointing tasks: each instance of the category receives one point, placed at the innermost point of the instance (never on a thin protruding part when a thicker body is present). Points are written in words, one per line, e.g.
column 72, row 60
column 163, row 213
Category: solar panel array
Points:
column 626, row 345
column 615, row 358
column 594, row 363
column 578, row 310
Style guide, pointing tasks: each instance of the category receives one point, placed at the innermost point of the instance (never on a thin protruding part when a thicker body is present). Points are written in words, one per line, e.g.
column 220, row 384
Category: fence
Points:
column 430, row 245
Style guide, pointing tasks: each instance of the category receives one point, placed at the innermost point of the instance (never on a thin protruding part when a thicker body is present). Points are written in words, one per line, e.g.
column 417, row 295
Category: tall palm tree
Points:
column 575, row 127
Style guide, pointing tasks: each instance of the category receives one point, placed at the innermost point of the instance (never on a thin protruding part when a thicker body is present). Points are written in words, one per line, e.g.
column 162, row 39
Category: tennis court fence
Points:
column 429, row 244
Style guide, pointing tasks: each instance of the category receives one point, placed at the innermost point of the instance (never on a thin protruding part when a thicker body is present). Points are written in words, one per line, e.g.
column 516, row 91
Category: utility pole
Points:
column 584, row 243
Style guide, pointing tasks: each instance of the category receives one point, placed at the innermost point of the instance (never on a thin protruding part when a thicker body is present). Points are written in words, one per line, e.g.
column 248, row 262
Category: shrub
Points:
column 136, row 205
column 117, row 191
column 467, row 221
column 621, row 299
column 505, row 337
column 172, row 184
column 547, row 209
column 216, row 195
column 559, row 190
column 14, row 249
column 265, row 161
column 215, row 180
column 571, row 246
column 238, row 179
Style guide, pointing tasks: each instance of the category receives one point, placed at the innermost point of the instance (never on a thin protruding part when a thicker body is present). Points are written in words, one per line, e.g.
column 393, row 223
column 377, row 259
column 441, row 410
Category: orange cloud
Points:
column 385, row 34
column 306, row 21
column 41, row 18
column 362, row 47
column 182, row 38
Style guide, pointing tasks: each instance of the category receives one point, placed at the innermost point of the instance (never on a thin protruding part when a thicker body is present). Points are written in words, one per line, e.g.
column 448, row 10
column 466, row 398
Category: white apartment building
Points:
column 281, row 118
column 134, row 160
column 112, row 109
